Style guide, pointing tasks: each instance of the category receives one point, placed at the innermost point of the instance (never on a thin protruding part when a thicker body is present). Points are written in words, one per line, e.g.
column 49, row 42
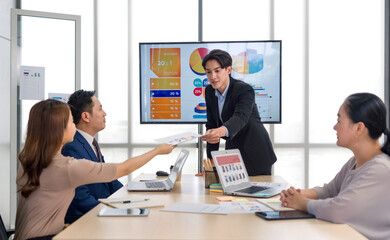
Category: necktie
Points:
column 98, row 153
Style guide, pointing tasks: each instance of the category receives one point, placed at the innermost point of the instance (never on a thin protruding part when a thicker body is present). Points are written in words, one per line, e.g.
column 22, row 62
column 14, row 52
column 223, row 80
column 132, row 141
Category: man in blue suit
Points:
column 89, row 117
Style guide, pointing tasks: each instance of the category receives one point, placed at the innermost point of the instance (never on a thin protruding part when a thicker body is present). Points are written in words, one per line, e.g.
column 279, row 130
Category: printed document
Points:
column 178, row 138
column 245, row 207
column 197, row 208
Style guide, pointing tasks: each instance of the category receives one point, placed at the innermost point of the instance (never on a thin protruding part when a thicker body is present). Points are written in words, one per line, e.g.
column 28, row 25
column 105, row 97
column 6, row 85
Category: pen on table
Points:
column 131, row 201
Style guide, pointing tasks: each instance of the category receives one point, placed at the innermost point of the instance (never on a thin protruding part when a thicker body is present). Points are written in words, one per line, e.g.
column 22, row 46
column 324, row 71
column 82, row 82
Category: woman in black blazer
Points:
column 232, row 115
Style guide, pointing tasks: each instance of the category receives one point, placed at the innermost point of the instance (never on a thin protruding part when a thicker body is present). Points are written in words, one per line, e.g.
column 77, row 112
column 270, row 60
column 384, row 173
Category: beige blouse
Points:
column 43, row 212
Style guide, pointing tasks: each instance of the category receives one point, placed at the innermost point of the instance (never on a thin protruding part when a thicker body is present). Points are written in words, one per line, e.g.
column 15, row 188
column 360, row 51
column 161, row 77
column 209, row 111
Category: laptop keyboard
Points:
column 252, row 189
column 155, row 184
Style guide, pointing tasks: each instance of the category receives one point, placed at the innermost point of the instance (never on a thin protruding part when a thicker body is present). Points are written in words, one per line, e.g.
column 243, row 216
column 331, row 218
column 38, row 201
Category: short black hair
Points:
column 222, row 57
column 79, row 102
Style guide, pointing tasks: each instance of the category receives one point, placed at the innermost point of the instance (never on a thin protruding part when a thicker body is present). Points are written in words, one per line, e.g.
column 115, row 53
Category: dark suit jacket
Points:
column 86, row 197
column 246, row 132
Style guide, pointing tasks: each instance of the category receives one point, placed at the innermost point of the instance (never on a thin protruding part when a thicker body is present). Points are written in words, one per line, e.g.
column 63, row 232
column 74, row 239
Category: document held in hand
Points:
column 179, row 138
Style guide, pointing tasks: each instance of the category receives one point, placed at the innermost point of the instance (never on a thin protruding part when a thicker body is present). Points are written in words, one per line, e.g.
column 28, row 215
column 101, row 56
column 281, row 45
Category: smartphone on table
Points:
column 123, row 212
column 281, row 215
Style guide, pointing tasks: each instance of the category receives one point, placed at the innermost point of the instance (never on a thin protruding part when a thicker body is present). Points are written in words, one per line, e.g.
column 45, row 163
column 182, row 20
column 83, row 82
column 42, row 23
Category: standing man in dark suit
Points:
column 232, row 115
column 89, row 117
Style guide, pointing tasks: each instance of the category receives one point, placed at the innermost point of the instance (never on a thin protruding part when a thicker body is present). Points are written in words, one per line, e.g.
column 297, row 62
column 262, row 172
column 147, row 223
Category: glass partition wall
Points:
column 50, row 42
column 330, row 49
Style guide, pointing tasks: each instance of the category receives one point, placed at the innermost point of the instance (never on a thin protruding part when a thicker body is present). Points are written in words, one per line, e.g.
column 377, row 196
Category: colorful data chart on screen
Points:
column 248, row 62
column 196, row 59
column 165, row 62
column 200, row 109
column 263, row 101
column 260, row 91
column 264, row 105
column 165, row 98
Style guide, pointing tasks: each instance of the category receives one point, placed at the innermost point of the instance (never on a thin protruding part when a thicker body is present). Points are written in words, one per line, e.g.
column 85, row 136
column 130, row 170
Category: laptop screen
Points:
column 178, row 165
column 231, row 169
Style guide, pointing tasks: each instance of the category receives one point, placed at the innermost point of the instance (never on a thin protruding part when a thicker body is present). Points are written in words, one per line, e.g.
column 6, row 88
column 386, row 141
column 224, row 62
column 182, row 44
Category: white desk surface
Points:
column 172, row 225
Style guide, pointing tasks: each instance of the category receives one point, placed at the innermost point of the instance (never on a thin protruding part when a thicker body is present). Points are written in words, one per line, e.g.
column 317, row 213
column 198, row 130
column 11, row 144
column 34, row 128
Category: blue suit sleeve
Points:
column 83, row 200
column 70, row 152
column 115, row 185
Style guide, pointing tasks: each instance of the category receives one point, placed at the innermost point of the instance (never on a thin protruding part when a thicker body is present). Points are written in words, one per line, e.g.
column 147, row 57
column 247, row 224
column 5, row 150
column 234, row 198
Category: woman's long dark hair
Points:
column 45, row 130
column 370, row 110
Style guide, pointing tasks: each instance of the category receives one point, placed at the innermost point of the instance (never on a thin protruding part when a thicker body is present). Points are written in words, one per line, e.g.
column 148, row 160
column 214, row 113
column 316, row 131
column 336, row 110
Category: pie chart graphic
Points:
column 196, row 60
column 248, row 62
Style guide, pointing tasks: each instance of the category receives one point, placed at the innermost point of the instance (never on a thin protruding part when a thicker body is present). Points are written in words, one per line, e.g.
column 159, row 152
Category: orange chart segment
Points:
column 165, row 108
column 165, row 62
column 165, row 115
column 165, row 83
column 165, row 101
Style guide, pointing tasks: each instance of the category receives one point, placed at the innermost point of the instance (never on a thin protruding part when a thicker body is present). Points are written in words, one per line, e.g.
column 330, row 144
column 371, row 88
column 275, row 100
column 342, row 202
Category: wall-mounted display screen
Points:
column 172, row 79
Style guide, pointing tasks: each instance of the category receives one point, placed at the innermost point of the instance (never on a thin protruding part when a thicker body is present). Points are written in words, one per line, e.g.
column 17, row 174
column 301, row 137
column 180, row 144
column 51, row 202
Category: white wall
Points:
column 5, row 42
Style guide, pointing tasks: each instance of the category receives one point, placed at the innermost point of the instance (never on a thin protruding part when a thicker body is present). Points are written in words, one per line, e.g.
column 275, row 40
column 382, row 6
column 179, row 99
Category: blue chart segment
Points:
column 165, row 93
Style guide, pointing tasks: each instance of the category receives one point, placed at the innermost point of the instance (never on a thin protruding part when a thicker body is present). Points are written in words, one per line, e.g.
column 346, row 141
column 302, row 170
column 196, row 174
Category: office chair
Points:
column 4, row 233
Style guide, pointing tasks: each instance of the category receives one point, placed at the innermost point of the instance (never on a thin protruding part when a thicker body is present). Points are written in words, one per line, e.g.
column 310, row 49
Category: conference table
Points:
column 173, row 225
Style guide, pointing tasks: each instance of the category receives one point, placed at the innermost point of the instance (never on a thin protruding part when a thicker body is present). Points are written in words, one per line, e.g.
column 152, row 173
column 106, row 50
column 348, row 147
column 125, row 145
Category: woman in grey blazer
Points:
column 358, row 195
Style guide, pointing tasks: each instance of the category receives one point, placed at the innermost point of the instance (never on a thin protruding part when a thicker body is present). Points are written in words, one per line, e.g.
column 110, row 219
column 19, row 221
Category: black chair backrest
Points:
column 3, row 230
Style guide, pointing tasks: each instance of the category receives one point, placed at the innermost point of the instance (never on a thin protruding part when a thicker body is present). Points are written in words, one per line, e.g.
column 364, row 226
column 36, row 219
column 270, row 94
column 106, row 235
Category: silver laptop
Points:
column 161, row 185
column 234, row 177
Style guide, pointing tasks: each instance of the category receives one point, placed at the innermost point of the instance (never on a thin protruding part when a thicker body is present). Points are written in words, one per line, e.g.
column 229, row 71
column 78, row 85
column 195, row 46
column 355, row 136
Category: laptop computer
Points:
column 234, row 177
column 161, row 185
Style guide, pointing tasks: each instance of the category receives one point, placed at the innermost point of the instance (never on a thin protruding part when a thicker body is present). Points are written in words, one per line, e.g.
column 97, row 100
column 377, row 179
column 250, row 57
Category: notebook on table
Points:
column 131, row 202
column 161, row 185
column 234, row 177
